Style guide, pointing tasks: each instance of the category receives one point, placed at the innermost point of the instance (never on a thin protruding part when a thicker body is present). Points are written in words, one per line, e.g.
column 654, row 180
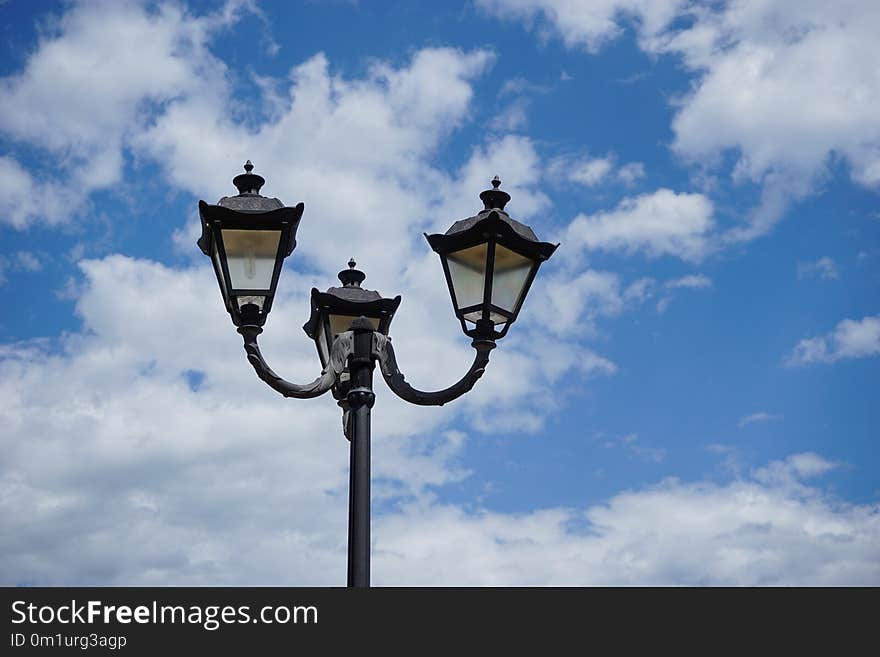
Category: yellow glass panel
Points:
column 340, row 323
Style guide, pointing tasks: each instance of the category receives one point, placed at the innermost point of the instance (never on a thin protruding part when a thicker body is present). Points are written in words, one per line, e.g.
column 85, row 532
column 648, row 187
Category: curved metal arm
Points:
column 343, row 346
column 384, row 352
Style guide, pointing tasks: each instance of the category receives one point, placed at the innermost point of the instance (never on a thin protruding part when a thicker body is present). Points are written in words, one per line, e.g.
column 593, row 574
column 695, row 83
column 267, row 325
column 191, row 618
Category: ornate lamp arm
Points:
column 343, row 347
column 384, row 352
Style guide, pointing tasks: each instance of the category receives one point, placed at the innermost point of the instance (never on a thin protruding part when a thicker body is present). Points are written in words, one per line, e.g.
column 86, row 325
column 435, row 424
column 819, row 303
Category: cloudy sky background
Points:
column 689, row 396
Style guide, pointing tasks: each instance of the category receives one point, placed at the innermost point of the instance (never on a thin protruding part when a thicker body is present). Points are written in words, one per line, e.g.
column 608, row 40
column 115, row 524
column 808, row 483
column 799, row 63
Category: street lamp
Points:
column 489, row 260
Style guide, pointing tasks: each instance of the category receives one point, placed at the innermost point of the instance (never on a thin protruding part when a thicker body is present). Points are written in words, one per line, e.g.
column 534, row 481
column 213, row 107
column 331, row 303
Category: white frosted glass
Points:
column 250, row 257
column 511, row 272
column 467, row 268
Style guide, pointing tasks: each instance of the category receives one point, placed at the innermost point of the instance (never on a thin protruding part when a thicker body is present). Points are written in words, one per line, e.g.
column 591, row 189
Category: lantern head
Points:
column 333, row 311
column 490, row 261
column 247, row 237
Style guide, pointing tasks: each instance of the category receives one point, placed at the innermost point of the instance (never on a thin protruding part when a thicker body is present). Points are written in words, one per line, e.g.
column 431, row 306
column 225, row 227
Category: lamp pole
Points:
column 360, row 400
column 489, row 261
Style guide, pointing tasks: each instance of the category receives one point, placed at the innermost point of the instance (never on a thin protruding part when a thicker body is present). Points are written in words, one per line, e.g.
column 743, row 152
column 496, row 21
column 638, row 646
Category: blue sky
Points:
column 687, row 397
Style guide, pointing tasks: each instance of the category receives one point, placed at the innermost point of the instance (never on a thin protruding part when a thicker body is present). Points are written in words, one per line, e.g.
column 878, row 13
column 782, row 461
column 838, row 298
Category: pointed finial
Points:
column 495, row 199
column 351, row 277
column 247, row 182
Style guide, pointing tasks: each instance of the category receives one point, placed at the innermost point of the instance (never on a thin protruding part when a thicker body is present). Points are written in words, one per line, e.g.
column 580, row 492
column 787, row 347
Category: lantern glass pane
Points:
column 258, row 301
column 475, row 315
column 340, row 323
column 216, row 257
column 467, row 268
column 250, row 256
column 323, row 347
column 511, row 272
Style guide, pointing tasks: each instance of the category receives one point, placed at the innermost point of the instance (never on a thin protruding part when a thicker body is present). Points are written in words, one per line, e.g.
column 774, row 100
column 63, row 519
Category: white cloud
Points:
column 793, row 470
column 760, row 416
column 760, row 65
column 172, row 476
column 630, row 172
column 117, row 471
column 757, row 67
column 693, row 281
column 769, row 529
column 576, row 303
column 20, row 261
column 577, row 300
column 368, row 140
column 660, row 223
column 823, row 268
column 90, row 85
column 27, row 261
column 640, row 290
column 586, row 25
column 24, row 199
column 850, row 339
column 591, row 171
column 122, row 466
column 517, row 86
column 512, row 118
column 631, row 443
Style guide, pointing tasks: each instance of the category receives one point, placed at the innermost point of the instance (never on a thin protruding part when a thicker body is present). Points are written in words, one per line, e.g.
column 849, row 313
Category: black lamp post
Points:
column 490, row 261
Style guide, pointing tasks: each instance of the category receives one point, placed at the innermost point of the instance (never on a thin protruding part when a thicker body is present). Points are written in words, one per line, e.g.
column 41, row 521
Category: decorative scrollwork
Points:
column 342, row 348
column 384, row 353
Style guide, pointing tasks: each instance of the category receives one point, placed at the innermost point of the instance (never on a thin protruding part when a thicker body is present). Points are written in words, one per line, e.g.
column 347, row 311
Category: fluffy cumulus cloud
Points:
column 108, row 95
column 141, row 449
column 758, row 70
column 587, row 25
column 578, row 301
column 851, row 338
column 158, row 445
column 592, row 171
column 659, row 223
column 769, row 528
column 138, row 456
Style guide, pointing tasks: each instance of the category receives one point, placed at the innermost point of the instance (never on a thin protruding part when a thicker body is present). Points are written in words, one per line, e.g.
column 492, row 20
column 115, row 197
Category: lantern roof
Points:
column 350, row 299
column 248, row 209
column 492, row 219
column 248, row 198
column 351, row 289
column 494, row 200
